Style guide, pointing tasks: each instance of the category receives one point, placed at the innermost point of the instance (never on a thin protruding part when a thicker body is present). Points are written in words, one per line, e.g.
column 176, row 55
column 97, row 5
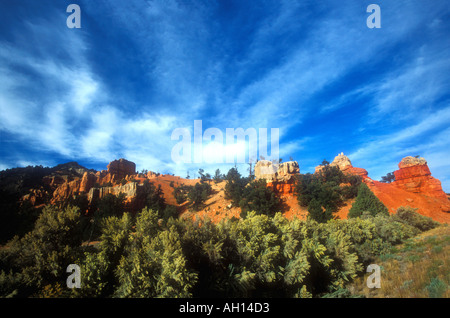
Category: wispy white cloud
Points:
column 428, row 138
column 245, row 71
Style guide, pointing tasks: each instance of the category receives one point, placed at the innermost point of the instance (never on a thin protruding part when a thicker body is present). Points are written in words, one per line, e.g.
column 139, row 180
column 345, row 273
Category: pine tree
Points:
column 235, row 186
column 317, row 213
column 218, row 177
column 390, row 177
column 367, row 201
column 256, row 196
column 198, row 194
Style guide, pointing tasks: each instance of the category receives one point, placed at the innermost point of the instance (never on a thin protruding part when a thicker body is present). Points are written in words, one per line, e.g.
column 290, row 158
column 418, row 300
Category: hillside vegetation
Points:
column 418, row 268
column 145, row 256
column 256, row 251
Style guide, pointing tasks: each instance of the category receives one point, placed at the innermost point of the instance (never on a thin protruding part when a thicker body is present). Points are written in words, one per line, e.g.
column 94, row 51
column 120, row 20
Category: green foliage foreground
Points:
column 143, row 256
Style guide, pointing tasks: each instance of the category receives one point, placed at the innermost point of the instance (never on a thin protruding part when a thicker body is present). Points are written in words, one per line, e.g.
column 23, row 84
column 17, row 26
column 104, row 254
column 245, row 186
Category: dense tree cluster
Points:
column 156, row 254
column 366, row 201
column 325, row 192
column 251, row 195
column 196, row 195
column 145, row 256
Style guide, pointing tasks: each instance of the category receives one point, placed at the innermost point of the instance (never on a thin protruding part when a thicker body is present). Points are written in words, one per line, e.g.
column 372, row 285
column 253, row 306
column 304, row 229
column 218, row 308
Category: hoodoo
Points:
column 279, row 176
column 415, row 176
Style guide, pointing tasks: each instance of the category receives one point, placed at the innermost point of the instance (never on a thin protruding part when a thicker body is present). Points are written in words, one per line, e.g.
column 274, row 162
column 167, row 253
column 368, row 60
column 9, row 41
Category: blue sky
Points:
column 136, row 70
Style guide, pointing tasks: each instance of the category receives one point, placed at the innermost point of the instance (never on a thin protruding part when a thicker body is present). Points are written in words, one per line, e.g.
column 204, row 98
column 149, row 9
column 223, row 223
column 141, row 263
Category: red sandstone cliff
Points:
column 413, row 186
column 117, row 170
column 279, row 176
column 415, row 176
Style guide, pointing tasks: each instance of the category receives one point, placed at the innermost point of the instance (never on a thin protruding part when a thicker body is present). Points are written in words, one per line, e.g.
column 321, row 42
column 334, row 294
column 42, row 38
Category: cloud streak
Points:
column 139, row 69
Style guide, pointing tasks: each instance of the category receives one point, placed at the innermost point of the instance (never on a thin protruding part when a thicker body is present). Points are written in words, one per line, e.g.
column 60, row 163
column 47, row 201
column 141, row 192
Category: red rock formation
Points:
column 65, row 191
column 121, row 168
column 415, row 176
column 66, row 187
column 133, row 191
column 87, row 181
column 358, row 171
column 279, row 177
column 394, row 197
column 35, row 197
column 413, row 186
column 282, row 188
column 344, row 164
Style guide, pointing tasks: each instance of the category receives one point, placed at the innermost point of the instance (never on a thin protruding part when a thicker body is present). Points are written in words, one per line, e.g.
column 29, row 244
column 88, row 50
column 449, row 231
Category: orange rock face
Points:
column 117, row 170
column 87, row 182
column 282, row 188
column 279, row 177
column 413, row 186
column 344, row 164
column 357, row 171
column 418, row 179
column 65, row 190
column 394, row 197
column 121, row 168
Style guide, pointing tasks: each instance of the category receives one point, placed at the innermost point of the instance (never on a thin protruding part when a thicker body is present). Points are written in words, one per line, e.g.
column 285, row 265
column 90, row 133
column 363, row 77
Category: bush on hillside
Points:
column 366, row 201
column 198, row 194
column 410, row 216
column 235, row 185
column 324, row 192
column 258, row 197
column 256, row 256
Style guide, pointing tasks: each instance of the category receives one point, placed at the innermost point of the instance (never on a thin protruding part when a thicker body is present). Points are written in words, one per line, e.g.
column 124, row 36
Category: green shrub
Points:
column 392, row 231
column 198, row 195
column 366, row 201
column 410, row 216
column 436, row 288
column 155, row 265
column 235, row 186
column 258, row 197
column 258, row 255
column 40, row 257
column 325, row 192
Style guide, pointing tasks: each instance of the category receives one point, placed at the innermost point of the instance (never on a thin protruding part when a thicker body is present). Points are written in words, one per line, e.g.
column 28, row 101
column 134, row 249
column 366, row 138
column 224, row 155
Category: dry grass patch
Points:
column 419, row 268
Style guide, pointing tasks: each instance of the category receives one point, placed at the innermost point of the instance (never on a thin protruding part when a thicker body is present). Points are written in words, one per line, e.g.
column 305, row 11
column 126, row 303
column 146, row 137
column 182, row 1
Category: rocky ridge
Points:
column 279, row 176
column 413, row 186
column 344, row 164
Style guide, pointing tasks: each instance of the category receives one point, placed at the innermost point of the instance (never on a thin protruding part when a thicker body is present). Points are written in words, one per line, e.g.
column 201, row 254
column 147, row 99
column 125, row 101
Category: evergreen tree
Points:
column 258, row 197
column 110, row 205
column 198, row 195
column 155, row 198
column 367, row 201
column 235, row 186
column 218, row 177
column 317, row 213
column 202, row 175
column 390, row 177
column 180, row 193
